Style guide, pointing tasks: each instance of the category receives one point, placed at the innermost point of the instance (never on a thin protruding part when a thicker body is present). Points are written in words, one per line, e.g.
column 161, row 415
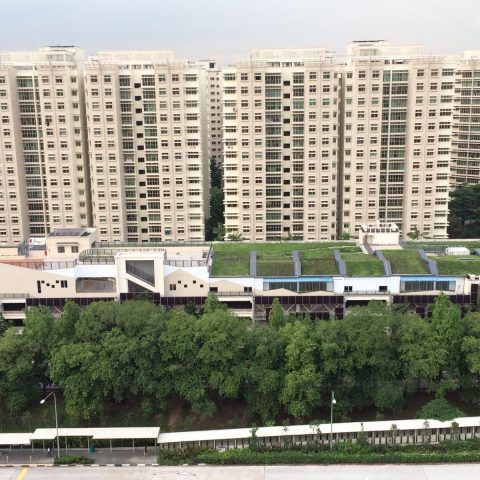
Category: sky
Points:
column 227, row 30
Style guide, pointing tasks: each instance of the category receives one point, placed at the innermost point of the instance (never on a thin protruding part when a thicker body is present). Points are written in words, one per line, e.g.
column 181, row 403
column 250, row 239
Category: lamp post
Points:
column 56, row 419
column 332, row 403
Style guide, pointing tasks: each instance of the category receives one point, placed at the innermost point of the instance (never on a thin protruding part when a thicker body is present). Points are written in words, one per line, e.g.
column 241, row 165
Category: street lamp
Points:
column 332, row 403
column 56, row 419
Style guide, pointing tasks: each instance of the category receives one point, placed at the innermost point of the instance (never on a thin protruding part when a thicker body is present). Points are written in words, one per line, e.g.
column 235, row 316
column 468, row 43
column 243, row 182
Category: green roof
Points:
column 275, row 258
column 405, row 261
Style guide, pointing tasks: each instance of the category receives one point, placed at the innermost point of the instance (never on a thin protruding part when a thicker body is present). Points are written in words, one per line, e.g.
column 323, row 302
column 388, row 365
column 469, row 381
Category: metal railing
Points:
column 233, row 294
column 186, row 263
column 366, row 292
column 41, row 265
column 14, row 295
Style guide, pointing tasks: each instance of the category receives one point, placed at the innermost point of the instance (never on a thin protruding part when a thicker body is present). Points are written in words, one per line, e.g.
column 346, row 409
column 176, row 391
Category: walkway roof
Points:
column 350, row 427
column 123, row 433
column 15, row 438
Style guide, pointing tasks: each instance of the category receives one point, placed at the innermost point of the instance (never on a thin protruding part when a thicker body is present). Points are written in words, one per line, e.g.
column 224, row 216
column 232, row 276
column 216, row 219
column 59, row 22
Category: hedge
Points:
column 445, row 452
column 71, row 459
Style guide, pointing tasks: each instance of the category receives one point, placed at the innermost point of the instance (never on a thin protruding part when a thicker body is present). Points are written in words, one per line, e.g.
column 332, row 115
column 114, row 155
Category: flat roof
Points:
column 350, row 427
column 15, row 438
column 69, row 232
column 98, row 433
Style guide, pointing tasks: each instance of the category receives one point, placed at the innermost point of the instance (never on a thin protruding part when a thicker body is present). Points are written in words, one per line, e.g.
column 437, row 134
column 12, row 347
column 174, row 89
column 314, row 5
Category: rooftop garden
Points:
column 275, row 259
column 458, row 265
column 405, row 261
column 320, row 260
column 275, row 264
column 360, row 264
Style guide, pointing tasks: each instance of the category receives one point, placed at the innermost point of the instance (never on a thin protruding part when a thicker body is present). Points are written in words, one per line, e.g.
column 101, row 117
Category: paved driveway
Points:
column 342, row 472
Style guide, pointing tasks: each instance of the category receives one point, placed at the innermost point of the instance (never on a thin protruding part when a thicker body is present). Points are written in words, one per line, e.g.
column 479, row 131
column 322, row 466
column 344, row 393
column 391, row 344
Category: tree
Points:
column 464, row 206
column 64, row 328
column 178, row 355
column 372, row 351
column 420, row 363
column 303, row 382
column 414, row 234
column 439, row 409
column 276, row 317
column 219, row 232
column 446, row 339
column 4, row 325
column 265, row 372
column 95, row 319
column 470, row 359
column 235, row 237
column 77, row 370
column 40, row 341
column 217, row 217
column 17, row 381
column 212, row 304
column 389, row 396
column 215, row 174
column 221, row 357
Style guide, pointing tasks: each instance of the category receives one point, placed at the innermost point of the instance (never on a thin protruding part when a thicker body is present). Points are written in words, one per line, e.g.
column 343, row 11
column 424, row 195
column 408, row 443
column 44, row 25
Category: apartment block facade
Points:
column 397, row 127
column 312, row 145
column 148, row 141
column 280, row 111
column 381, row 134
column 465, row 158
column 43, row 148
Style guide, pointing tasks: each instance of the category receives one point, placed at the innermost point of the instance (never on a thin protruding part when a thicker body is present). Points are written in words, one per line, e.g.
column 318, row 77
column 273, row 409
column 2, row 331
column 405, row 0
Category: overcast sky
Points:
column 228, row 29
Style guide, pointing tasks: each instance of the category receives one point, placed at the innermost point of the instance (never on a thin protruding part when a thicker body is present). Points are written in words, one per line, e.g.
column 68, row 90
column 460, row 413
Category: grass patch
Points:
column 360, row 264
column 275, row 265
column 232, row 258
column 458, row 265
column 405, row 261
column 321, row 264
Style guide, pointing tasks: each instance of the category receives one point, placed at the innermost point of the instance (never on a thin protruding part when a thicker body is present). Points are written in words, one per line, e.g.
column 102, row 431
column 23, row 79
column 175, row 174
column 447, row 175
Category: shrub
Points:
column 70, row 459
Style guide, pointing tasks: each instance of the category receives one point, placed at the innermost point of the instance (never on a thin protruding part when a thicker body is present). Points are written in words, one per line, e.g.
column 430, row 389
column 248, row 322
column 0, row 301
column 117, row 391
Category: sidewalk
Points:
column 118, row 456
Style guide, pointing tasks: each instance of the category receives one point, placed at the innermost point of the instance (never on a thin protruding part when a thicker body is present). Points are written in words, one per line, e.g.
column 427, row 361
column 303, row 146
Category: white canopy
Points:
column 123, row 433
column 350, row 427
column 15, row 438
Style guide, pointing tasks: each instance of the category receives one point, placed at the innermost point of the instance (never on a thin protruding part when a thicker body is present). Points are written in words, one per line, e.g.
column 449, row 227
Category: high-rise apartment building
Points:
column 214, row 110
column 43, row 151
column 312, row 145
column 465, row 157
column 280, row 113
column 397, row 106
column 147, row 130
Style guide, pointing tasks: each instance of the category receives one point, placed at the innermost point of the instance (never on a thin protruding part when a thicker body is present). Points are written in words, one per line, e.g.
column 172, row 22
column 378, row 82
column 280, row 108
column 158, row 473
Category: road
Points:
column 342, row 472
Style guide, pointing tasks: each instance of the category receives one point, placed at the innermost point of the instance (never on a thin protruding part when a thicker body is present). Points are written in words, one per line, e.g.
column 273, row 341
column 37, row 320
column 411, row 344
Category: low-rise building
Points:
column 322, row 280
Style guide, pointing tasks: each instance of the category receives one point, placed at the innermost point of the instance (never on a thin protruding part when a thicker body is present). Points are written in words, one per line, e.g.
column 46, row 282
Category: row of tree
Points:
column 112, row 352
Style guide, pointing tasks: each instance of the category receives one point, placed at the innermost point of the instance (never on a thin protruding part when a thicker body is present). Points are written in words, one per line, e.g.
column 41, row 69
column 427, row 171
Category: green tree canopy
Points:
column 464, row 206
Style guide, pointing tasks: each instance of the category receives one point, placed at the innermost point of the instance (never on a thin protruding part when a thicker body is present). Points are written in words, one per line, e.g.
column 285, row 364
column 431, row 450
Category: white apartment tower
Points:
column 312, row 145
column 465, row 161
column 43, row 151
column 147, row 131
column 280, row 131
column 214, row 109
column 397, row 105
